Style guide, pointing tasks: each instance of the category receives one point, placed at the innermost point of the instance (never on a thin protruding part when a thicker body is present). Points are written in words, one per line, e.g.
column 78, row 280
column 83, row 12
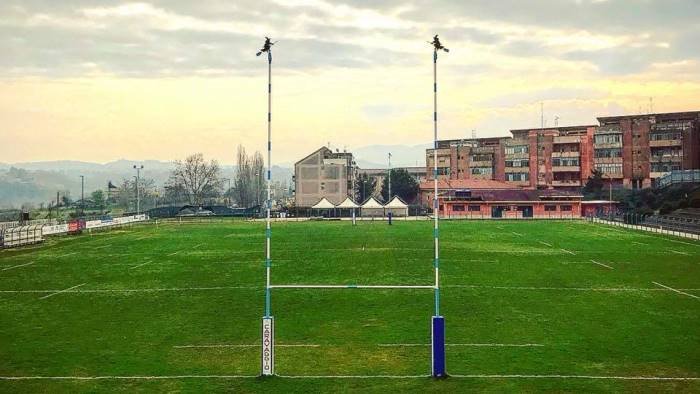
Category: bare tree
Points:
column 258, row 170
column 198, row 178
column 242, row 180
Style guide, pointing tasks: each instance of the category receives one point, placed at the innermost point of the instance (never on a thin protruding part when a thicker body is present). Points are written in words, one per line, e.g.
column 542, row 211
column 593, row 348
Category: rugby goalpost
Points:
column 268, row 322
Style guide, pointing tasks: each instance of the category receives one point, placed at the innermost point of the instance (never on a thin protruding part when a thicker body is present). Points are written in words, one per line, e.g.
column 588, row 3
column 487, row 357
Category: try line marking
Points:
column 677, row 291
column 241, row 346
column 485, row 376
column 61, row 291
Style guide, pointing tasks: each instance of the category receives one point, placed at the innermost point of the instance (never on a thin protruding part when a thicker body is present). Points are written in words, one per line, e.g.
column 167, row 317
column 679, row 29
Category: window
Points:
column 608, row 138
column 458, row 208
column 480, row 158
column 474, row 208
column 612, row 152
column 566, row 208
column 516, row 149
column 665, row 136
column 517, row 176
column 610, row 168
column 482, row 171
column 565, row 162
column 550, row 208
column 517, row 163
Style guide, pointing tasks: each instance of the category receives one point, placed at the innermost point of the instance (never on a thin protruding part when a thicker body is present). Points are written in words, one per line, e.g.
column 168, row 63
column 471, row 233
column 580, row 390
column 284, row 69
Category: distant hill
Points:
column 36, row 182
column 375, row 156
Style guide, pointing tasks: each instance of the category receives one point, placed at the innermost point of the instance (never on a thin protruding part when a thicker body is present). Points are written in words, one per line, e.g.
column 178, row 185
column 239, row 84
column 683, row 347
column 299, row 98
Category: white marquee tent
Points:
column 397, row 207
column 371, row 208
column 347, row 205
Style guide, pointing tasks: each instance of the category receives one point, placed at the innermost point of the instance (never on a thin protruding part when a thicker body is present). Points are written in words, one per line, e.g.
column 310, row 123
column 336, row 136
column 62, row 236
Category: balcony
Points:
column 607, row 145
column 566, row 154
column 481, row 164
column 566, row 168
column 517, row 156
column 655, row 175
column 567, row 139
column 518, row 169
column 607, row 160
column 655, row 143
column 616, row 175
column 566, row 183
column 666, row 158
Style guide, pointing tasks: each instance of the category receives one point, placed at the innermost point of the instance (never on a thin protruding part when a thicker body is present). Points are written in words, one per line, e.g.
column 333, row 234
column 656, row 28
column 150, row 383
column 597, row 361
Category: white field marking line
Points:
column 63, row 255
column 513, row 376
column 17, row 266
column 611, row 289
column 639, row 243
column 676, row 290
column 146, row 290
column 590, row 377
column 602, row 265
column 518, row 234
column 241, row 346
column 432, row 287
column 196, row 246
column 681, row 242
column 61, row 291
column 103, row 247
column 141, row 265
column 677, row 252
column 569, row 252
column 465, row 344
column 174, row 253
column 544, row 243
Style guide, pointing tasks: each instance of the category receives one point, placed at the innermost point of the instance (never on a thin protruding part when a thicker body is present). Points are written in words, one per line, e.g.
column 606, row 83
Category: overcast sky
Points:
column 102, row 80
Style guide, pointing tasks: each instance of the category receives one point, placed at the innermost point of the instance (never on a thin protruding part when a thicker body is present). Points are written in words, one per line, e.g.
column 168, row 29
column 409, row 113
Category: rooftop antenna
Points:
column 473, row 133
column 556, row 121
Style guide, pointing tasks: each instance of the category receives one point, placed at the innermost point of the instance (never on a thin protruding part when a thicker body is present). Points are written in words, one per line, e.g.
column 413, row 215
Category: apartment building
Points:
column 324, row 173
column 470, row 158
column 634, row 150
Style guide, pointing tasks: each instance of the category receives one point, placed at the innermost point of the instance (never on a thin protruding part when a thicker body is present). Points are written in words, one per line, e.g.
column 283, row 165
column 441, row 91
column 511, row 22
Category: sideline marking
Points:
column 174, row 253
column 465, row 344
column 17, row 266
column 518, row 234
column 141, row 265
column 64, row 255
column 165, row 377
column 544, row 243
column 561, row 288
column 240, row 346
column 602, row 265
column 677, row 252
column 61, row 291
column 104, row 246
column 569, row 252
column 196, row 246
column 145, row 290
column 639, row 243
column 677, row 291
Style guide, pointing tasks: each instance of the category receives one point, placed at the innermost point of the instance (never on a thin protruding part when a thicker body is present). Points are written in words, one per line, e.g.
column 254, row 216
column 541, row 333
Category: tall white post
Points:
column 436, row 206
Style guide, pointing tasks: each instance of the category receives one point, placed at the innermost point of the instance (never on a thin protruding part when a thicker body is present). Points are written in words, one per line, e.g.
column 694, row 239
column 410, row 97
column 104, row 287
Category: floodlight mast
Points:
column 438, row 322
column 268, row 355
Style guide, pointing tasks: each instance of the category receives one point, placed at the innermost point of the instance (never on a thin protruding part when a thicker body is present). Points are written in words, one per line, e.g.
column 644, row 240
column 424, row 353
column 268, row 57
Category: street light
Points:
column 138, row 178
column 82, row 195
column 389, row 198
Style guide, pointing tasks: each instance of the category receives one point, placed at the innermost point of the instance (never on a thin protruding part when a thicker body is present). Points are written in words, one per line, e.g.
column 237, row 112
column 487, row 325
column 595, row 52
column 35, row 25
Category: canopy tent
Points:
column 372, row 208
column 397, row 207
column 325, row 205
column 347, row 207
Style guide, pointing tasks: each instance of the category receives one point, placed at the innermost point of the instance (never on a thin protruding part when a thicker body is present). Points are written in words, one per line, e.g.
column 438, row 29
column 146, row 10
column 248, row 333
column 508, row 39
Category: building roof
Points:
column 667, row 115
column 396, row 202
column 347, row 203
column 372, row 203
column 471, row 184
column 323, row 204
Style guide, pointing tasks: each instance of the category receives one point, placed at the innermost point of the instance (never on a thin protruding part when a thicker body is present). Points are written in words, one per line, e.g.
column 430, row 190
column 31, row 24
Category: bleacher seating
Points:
column 686, row 220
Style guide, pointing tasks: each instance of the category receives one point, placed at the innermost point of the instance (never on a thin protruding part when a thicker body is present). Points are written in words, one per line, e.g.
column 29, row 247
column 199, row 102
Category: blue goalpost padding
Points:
column 438, row 347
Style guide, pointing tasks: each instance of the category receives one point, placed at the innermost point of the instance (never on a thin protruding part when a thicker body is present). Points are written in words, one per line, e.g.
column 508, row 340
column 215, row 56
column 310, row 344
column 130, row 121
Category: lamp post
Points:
column 82, row 195
column 138, row 179
column 389, row 195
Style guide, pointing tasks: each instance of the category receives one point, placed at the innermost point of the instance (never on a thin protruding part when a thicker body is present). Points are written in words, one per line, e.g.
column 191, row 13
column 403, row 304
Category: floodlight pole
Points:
column 138, row 194
column 389, row 195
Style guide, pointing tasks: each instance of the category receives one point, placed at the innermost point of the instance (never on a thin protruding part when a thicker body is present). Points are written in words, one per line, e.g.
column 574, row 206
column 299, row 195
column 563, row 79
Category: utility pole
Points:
column 82, row 195
column 438, row 322
column 138, row 194
column 389, row 195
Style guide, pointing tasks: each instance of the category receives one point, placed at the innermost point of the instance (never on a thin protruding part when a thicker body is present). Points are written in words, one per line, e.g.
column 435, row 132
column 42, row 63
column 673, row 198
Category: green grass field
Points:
column 571, row 299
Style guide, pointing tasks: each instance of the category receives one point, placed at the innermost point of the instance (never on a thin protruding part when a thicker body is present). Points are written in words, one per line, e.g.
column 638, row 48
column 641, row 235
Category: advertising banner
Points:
column 268, row 346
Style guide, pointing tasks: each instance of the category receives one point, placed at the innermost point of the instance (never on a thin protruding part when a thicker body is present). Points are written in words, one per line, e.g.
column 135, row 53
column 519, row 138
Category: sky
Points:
column 104, row 80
